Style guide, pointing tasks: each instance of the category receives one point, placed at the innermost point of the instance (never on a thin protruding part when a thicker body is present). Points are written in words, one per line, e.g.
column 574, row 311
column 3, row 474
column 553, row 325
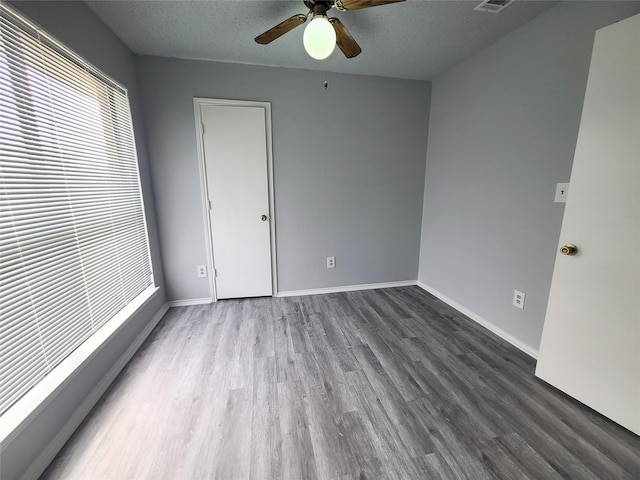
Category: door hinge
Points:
column 210, row 204
column 202, row 125
column 215, row 272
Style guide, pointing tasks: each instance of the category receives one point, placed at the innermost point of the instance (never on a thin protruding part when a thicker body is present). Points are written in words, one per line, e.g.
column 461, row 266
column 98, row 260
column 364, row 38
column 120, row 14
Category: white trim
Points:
column 532, row 352
column 47, row 455
column 346, row 288
column 272, row 202
column 197, row 103
column 204, row 198
column 190, row 301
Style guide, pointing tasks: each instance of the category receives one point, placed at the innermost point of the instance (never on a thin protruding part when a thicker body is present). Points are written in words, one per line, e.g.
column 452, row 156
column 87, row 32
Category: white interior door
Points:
column 590, row 345
column 235, row 152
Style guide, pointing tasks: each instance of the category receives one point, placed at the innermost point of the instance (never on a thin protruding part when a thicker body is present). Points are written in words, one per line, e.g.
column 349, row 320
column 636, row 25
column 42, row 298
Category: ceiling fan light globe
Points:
column 319, row 38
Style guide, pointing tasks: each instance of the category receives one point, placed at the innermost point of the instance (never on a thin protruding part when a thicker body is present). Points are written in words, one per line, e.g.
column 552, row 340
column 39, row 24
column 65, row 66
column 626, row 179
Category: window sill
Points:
column 13, row 421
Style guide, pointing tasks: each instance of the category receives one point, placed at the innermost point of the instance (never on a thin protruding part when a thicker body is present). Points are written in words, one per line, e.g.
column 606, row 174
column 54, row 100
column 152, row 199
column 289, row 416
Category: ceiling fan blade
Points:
column 344, row 40
column 358, row 4
column 280, row 29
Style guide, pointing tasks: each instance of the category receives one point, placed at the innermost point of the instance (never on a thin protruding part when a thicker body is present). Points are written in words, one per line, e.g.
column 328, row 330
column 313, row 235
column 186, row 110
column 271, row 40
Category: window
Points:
column 73, row 240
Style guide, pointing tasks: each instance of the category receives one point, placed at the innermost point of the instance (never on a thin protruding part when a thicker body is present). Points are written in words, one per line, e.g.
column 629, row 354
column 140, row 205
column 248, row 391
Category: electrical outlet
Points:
column 518, row 299
column 202, row 271
column 331, row 262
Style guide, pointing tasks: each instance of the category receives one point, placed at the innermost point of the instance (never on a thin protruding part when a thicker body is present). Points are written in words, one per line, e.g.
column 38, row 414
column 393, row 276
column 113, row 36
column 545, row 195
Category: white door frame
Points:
column 197, row 104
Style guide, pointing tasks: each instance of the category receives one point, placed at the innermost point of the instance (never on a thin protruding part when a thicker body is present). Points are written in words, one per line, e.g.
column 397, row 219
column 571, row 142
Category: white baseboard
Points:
column 190, row 301
column 346, row 288
column 47, row 455
column 532, row 352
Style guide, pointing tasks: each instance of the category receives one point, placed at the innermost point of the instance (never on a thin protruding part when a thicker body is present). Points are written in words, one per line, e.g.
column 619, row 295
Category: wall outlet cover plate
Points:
column 518, row 299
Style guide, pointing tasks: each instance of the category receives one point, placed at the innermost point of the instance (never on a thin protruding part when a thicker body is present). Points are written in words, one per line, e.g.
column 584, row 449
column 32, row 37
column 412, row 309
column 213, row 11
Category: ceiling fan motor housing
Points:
column 319, row 7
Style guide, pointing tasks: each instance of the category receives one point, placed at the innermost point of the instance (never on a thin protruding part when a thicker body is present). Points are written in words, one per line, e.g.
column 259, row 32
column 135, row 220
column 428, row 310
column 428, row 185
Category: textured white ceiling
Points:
column 417, row 39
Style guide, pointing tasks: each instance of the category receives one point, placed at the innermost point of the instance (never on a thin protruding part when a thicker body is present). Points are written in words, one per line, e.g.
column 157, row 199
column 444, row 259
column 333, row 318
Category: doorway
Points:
column 236, row 177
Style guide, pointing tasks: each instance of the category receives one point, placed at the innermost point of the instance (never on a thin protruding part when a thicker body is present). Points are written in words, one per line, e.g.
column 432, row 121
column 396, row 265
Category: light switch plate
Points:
column 562, row 191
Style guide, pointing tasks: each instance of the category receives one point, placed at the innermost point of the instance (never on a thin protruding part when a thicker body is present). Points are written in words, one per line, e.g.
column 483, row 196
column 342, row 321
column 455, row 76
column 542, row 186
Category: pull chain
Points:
column 326, row 82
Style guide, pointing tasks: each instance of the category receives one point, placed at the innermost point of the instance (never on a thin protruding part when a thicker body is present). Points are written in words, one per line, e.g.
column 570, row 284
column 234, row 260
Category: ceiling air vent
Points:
column 493, row 6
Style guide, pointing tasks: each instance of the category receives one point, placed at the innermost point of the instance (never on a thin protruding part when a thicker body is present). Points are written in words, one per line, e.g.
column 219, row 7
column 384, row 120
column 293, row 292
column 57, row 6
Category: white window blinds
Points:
column 73, row 239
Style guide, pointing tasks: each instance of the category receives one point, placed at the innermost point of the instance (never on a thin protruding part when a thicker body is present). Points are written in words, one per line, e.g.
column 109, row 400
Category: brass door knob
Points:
column 264, row 218
column 569, row 249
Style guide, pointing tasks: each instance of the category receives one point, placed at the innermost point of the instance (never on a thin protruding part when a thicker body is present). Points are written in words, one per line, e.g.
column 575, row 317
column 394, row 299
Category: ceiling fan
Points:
column 323, row 34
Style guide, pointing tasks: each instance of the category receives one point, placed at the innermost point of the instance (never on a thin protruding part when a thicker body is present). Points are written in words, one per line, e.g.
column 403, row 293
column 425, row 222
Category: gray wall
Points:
column 348, row 165
column 502, row 133
column 76, row 26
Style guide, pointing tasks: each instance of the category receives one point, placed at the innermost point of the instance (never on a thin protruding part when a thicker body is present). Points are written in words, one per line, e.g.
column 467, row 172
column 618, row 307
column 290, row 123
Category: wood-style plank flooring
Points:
column 378, row 384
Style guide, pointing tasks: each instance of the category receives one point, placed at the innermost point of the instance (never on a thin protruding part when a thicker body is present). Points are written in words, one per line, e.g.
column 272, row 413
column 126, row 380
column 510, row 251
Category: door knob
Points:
column 569, row 249
column 264, row 218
